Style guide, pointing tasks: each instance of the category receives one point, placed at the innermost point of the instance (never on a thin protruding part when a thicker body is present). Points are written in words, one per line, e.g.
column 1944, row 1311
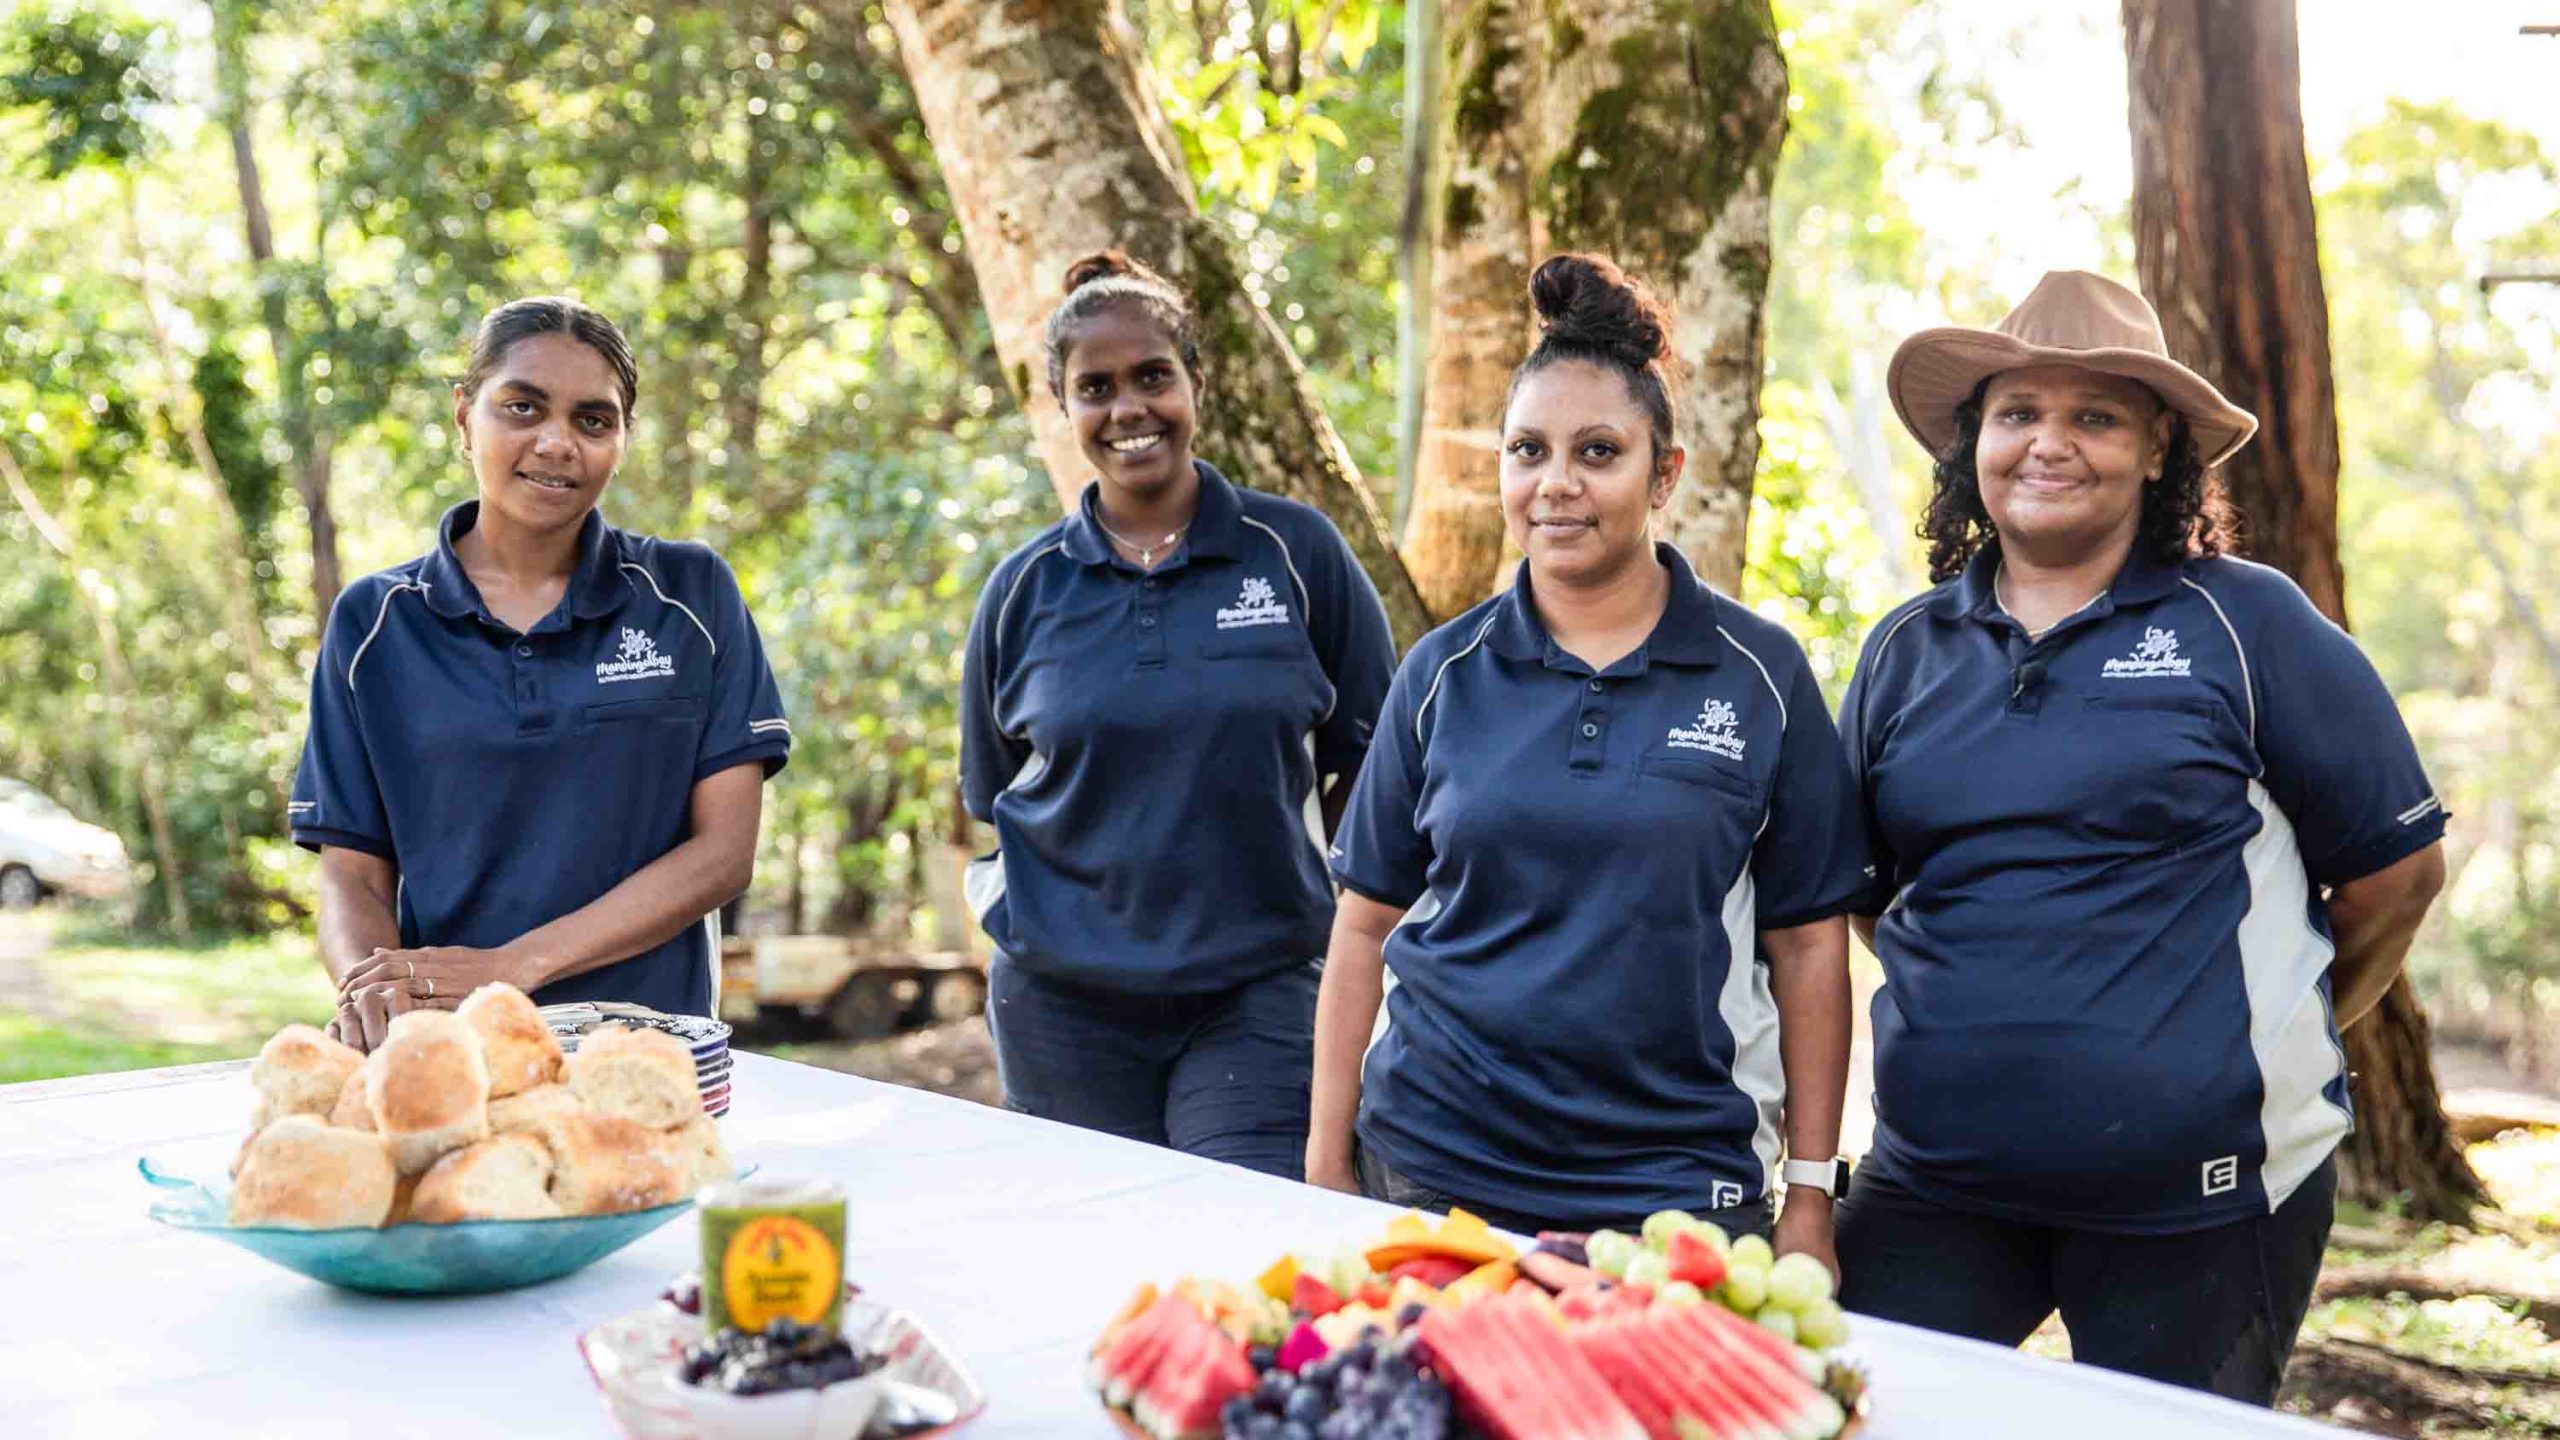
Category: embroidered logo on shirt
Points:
column 2156, row 655
column 1723, row 1195
column 1258, row 605
column 1714, row 731
column 638, row 659
column 2222, row 1176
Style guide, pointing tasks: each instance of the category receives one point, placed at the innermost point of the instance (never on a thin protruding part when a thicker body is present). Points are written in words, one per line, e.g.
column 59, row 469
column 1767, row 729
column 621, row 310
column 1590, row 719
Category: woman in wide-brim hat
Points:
column 2148, row 830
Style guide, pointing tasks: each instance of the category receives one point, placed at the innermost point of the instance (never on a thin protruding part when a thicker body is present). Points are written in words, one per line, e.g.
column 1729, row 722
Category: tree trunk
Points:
column 304, row 435
column 1481, row 254
column 1646, row 130
column 1658, row 134
column 1413, row 241
column 2226, row 245
column 1053, row 145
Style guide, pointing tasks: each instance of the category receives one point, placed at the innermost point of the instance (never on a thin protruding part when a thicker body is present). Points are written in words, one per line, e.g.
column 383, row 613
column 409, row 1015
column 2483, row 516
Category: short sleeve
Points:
column 747, row 725
column 1357, row 650
column 1811, row 861
column 1857, row 732
column 336, row 799
column 1379, row 849
column 989, row 758
column 2338, row 758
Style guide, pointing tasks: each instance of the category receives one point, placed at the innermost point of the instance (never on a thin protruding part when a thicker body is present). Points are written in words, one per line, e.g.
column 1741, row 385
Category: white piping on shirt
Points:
column 1294, row 578
column 1765, row 677
column 995, row 637
column 783, row 726
column 668, row 599
column 1438, row 675
column 378, row 617
column 2237, row 649
column 1306, row 608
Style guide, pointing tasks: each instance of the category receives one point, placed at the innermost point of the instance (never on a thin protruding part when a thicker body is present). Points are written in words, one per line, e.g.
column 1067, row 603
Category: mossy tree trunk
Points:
column 1053, row 145
column 1479, row 303
column 1646, row 130
column 2228, row 253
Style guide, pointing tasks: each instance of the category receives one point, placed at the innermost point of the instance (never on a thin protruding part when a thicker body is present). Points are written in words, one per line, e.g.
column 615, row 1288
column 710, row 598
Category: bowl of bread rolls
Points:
column 465, row 1154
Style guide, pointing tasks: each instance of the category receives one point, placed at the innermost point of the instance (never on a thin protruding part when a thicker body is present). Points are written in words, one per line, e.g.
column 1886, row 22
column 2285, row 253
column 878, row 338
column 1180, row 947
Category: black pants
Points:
column 2213, row 1310
column 1379, row 1182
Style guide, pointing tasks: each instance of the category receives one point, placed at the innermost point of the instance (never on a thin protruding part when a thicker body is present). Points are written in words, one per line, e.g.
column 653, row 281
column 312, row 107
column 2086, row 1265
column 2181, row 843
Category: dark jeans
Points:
column 2212, row 1310
column 1222, row 1075
column 1380, row 1182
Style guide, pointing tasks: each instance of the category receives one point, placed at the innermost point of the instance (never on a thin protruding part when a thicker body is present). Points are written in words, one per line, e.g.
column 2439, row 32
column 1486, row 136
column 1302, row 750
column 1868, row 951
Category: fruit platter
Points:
column 1445, row 1330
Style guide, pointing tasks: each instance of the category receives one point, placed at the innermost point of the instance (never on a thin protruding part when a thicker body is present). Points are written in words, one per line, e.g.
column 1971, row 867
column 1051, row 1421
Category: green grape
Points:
column 1679, row 1292
column 1796, row 1281
column 1661, row 1225
column 1744, row 1291
column 1610, row 1250
column 1778, row 1323
column 1752, row 1253
column 1822, row 1325
column 1649, row 1270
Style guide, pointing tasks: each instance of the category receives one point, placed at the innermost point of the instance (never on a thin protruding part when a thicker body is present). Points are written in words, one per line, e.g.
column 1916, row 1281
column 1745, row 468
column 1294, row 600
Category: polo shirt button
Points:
column 525, row 650
column 1589, row 730
column 1150, row 584
column 1146, row 622
column 1596, row 687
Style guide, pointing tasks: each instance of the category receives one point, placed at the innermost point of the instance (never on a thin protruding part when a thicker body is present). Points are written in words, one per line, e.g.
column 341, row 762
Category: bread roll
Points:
column 428, row 1088
column 504, row 1178
column 603, row 1164
column 646, row 1075
column 306, row 1175
column 520, row 1049
column 351, row 1112
column 528, row 1110
column 699, row 1141
column 402, row 1196
column 300, row 1072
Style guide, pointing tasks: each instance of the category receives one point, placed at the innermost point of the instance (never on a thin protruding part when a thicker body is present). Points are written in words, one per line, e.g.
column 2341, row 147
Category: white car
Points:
column 44, row 850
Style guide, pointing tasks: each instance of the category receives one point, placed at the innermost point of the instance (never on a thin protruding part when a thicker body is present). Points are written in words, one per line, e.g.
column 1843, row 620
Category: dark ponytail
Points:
column 1107, row 278
column 1590, row 310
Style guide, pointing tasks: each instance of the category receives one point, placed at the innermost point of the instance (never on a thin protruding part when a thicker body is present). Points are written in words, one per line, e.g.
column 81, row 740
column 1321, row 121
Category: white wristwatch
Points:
column 1828, row 1176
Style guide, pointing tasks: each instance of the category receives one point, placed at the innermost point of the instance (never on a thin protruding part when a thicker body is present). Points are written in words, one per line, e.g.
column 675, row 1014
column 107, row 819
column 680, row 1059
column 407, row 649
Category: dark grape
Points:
column 1263, row 1357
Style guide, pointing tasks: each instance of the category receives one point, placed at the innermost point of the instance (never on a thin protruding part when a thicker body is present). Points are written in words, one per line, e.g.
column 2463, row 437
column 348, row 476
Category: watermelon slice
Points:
column 1730, row 1378
column 1728, row 1405
column 1517, row 1376
column 1172, row 1368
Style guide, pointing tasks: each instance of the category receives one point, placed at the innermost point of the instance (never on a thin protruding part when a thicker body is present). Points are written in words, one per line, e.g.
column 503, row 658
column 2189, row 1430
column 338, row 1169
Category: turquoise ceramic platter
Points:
column 464, row 1259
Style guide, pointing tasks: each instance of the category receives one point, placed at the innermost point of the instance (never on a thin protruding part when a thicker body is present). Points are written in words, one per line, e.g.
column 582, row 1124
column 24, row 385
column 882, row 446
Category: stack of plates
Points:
column 707, row 1038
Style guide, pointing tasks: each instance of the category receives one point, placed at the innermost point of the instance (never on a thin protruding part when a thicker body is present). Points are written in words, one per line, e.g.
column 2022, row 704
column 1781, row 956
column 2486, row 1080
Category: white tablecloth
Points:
column 1012, row 1238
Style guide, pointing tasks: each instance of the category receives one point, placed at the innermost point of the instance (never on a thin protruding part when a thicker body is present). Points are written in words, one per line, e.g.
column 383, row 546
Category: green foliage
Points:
column 90, row 75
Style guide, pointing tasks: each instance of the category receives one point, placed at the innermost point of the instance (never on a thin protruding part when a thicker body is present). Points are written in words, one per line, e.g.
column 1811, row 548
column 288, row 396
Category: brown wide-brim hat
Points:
column 2072, row 318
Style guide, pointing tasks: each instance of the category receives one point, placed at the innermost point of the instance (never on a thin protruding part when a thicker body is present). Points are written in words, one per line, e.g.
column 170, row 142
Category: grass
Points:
column 89, row 1001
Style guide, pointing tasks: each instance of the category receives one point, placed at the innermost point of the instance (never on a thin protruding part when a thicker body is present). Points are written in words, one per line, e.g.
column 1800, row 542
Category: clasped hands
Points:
column 390, row 983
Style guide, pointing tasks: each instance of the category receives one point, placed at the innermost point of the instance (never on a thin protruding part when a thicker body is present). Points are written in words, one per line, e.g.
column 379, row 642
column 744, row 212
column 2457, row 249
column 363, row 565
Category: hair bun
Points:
column 1107, row 265
column 1587, row 302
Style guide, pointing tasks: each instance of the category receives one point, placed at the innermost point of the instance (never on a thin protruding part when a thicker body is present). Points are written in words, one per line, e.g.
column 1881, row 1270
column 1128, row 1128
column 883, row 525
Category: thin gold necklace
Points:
column 1146, row 553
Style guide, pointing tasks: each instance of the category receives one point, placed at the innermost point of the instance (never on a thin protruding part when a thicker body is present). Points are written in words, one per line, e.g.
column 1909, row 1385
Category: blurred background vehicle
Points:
column 45, row 850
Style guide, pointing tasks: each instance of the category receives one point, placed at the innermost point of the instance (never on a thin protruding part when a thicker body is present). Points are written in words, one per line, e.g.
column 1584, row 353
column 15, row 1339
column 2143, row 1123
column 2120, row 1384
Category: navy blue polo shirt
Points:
column 2106, row 952
column 1578, row 1026
column 514, row 778
column 1147, row 744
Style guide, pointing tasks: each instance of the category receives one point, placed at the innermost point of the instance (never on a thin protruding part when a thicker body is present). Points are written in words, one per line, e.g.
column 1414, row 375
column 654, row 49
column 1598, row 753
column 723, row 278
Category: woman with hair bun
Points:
column 1163, row 693
column 537, row 752
column 1602, row 848
column 2149, row 831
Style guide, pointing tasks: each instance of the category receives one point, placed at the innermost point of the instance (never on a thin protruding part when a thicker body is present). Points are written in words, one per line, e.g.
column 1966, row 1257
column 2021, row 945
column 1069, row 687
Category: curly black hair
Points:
column 2184, row 512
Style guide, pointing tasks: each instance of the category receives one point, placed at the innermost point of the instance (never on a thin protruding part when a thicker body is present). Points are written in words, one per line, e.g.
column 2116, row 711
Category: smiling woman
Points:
column 537, row 751
column 1159, row 688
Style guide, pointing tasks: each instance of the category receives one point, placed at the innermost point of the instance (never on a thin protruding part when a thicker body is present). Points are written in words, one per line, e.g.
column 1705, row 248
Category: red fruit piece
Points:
column 1313, row 1296
column 1436, row 1271
column 1374, row 1295
column 1695, row 1261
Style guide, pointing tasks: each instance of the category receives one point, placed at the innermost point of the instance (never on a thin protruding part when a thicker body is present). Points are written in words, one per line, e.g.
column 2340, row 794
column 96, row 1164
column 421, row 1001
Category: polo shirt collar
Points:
column 1215, row 527
column 596, row 587
column 2140, row 581
column 1687, row 633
